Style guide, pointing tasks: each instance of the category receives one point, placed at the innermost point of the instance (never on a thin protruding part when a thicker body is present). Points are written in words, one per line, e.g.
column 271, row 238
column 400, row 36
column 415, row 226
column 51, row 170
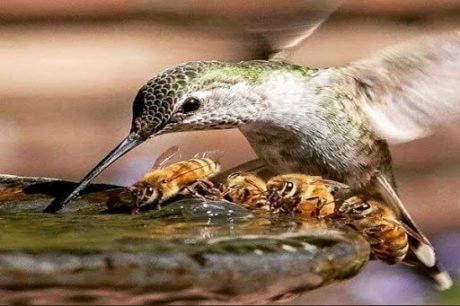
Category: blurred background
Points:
column 69, row 71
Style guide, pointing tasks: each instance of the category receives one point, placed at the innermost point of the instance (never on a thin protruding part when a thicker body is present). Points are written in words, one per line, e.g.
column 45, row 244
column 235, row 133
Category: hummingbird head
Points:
column 191, row 96
column 198, row 96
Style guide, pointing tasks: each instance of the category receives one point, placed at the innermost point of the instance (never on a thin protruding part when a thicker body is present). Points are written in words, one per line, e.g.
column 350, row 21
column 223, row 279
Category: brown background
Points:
column 70, row 69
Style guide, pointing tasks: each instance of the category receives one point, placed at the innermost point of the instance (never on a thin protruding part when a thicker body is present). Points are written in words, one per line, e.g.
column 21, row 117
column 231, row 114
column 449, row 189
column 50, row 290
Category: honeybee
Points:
column 164, row 182
column 246, row 189
column 387, row 236
column 390, row 239
column 307, row 196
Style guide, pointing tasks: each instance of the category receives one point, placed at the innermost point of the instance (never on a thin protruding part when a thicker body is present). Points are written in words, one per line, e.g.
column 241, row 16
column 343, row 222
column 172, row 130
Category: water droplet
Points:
column 288, row 248
column 258, row 252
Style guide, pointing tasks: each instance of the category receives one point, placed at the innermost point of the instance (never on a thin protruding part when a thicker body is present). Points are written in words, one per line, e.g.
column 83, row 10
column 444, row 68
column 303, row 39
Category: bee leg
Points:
column 136, row 208
column 373, row 235
column 374, row 231
column 203, row 189
column 275, row 208
column 316, row 213
column 262, row 203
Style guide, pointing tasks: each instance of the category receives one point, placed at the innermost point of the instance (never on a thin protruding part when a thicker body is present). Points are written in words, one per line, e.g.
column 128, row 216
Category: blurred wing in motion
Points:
column 411, row 89
column 278, row 36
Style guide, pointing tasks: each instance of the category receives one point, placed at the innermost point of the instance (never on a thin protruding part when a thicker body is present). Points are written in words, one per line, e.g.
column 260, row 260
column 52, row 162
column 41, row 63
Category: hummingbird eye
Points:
column 191, row 104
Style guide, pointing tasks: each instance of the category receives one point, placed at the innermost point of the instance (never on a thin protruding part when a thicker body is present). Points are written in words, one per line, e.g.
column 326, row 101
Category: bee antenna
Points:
column 231, row 188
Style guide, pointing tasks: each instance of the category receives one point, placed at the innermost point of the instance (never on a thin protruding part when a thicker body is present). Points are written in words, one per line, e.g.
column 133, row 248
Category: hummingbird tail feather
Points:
column 419, row 243
column 441, row 277
column 424, row 252
column 437, row 274
column 423, row 255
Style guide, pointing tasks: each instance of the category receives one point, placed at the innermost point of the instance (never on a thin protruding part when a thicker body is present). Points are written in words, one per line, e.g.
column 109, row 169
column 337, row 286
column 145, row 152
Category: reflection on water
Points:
column 183, row 222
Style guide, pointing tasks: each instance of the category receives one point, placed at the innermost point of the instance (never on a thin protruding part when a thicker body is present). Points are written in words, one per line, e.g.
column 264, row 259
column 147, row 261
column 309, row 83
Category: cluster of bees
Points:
column 290, row 194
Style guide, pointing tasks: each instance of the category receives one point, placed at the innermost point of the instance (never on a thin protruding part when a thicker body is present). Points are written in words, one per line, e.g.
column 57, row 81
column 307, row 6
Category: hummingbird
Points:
column 334, row 122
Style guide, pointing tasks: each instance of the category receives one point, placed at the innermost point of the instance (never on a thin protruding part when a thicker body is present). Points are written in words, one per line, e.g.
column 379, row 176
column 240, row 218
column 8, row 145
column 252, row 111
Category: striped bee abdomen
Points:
column 186, row 172
column 388, row 241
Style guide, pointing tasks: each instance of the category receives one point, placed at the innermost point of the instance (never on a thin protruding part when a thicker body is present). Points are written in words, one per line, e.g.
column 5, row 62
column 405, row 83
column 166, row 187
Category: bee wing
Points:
column 252, row 183
column 214, row 155
column 278, row 36
column 165, row 157
column 256, row 166
column 335, row 184
column 420, row 244
column 340, row 191
column 409, row 90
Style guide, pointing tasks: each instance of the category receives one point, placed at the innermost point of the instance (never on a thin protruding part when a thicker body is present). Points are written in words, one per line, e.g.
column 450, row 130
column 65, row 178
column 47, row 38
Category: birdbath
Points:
column 188, row 252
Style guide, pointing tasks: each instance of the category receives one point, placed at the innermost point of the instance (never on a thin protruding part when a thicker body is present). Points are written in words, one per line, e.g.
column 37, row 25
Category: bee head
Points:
column 281, row 193
column 145, row 194
column 280, row 188
column 355, row 208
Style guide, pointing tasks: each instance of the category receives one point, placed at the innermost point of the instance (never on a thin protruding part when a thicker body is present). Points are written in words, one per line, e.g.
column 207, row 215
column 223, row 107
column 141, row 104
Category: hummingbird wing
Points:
column 278, row 36
column 409, row 90
column 436, row 273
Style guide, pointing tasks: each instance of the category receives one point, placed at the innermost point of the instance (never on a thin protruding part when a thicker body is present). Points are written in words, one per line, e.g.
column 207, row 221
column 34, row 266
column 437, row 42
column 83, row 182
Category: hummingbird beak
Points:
column 129, row 143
